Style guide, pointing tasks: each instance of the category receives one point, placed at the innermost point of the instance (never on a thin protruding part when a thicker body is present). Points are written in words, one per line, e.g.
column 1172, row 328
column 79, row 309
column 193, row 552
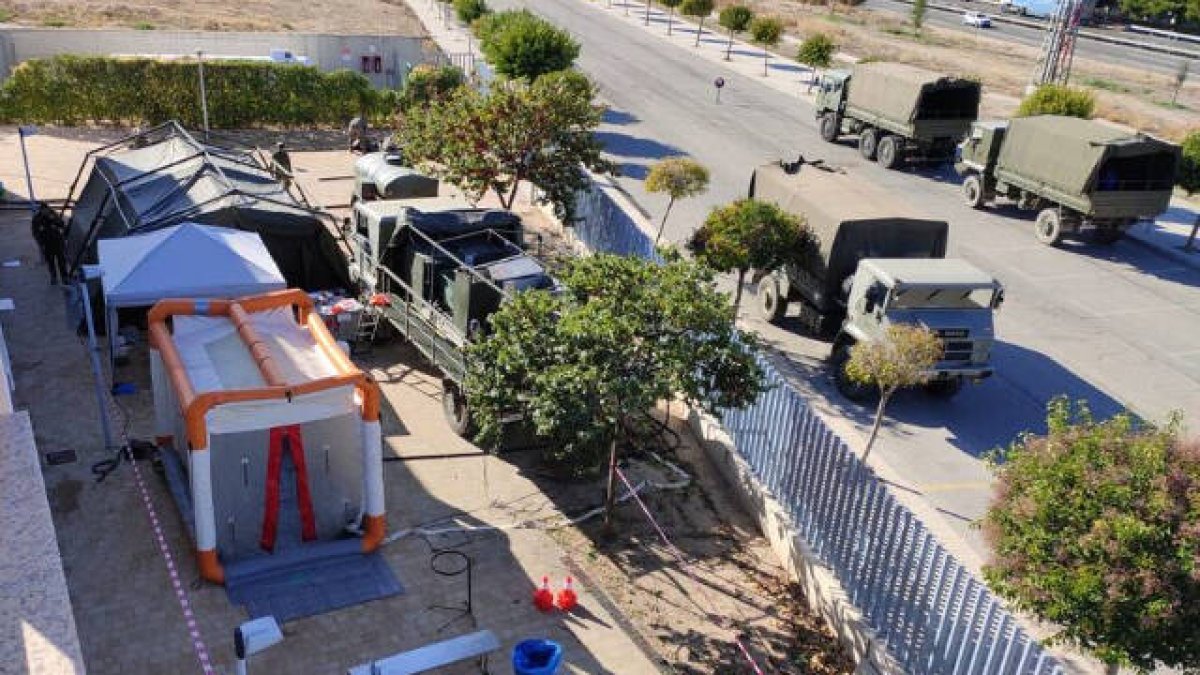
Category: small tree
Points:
column 1058, row 99
column 903, row 358
column 540, row 132
column 1189, row 166
column 918, row 14
column 427, row 83
column 816, row 52
column 697, row 9
column 766, row 31
column 1095, row 527
column 519, row 44
column 735, row 19
column 585, row 366
column 470, row 10
column 1181, row 76
column 678, row 177
column 671, row 5
column 749, row 234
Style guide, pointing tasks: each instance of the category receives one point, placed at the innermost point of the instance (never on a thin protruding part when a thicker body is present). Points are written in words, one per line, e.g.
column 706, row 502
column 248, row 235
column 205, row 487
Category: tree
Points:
column 540, row 132
column 697, row 9
column 749, row 234
column 670, row 5
column 1095, row 527
column 678, row 177
column 766, row 31
column 470, row 10
column 735, row 19
column 918, row 13
column 519, row 44
column 427, row 83
column 816, row 52
column 1058, row 99
column 903, row 358
column 585, row 366
column 1181, row 75
column 1189, row 166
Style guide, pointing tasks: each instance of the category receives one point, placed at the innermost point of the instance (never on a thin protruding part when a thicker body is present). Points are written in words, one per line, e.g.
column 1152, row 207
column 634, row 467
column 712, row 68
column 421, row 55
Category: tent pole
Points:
column 97, row 371
column 110, row 327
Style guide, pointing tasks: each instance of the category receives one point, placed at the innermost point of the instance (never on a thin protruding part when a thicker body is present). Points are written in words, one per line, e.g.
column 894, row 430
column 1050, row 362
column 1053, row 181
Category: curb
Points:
column 1173, row 253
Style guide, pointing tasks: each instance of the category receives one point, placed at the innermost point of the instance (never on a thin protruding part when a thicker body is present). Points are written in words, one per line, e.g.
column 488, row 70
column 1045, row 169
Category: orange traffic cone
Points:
column 543, row 598
column 566, row 597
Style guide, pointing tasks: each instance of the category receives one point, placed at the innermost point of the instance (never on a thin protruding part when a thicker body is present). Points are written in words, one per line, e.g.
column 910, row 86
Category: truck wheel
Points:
column 1048, row 227
column 771, row 304
column 458, row 414
column 868, row 141
column 972, row 188
column 847, row 387
column 943, row 388
column 889, row 153
column 829, row 127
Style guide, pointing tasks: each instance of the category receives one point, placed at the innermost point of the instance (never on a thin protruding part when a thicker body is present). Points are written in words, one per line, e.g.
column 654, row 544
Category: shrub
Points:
column 816, row 51
column 1058, row 99
column 1189, row 169
column 426, row 83
column 468, row 11
column 519, row 44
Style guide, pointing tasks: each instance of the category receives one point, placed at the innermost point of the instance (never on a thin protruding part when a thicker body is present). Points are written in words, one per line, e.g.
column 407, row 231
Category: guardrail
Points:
column 1168, row 34
column 930, row 612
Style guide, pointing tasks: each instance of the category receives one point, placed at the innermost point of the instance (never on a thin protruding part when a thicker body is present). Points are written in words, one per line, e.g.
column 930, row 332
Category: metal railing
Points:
column 929, row 610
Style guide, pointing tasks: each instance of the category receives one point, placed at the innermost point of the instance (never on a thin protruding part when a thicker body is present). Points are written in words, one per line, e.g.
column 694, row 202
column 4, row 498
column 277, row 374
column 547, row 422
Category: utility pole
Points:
column 1058, row 48
column 203, row 92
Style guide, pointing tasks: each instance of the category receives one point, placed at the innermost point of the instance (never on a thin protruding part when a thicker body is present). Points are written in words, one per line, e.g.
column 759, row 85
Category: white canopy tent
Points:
column 183, row 261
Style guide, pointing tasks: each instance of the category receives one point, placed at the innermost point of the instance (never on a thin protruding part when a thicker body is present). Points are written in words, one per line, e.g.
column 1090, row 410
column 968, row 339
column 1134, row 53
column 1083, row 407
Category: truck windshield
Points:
column 942, row 298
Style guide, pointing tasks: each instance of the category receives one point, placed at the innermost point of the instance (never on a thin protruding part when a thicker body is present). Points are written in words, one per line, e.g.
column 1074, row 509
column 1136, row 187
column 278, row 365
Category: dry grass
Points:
column 1129, row 96
column 390, row 17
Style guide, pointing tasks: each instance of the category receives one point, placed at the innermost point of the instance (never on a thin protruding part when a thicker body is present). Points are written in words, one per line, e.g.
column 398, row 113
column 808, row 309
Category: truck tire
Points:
column 890, row 152
column 868, row 143
column 1048, row 227
column 829, row 127
column 771, row 304
column 456, row 410
column 943, row 388
column 859, row 393
column 972, row 188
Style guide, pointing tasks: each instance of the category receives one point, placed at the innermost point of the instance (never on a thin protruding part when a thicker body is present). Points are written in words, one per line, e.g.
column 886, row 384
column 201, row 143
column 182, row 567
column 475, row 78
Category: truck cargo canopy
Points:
column 905, row 93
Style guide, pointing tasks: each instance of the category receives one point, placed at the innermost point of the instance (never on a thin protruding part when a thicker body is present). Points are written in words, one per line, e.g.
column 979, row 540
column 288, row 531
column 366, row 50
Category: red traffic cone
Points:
column 543, row 598
column 566, row 597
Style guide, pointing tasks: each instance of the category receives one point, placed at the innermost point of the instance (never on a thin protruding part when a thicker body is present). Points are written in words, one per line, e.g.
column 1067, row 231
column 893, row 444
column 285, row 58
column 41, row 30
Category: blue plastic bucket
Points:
column 536, row 657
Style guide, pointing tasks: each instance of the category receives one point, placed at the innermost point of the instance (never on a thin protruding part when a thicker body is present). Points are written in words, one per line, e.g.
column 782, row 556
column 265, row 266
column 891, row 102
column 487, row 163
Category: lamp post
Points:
column 203, row 91
column 23, row 132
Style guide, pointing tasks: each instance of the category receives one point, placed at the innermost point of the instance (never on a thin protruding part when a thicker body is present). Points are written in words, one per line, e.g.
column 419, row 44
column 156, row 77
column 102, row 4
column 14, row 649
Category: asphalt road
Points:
column 1113, row 325
column 1084, row 48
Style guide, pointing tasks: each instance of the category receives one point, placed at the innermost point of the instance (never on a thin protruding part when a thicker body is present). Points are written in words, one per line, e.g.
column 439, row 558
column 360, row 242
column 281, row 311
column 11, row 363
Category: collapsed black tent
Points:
column 163, row 177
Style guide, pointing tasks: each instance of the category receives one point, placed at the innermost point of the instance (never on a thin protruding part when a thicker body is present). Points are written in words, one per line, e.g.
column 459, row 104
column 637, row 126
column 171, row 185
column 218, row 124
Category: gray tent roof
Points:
column 1065, row 152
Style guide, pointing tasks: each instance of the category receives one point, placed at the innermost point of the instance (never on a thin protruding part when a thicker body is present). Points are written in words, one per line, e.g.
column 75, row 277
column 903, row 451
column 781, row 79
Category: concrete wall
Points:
column 328, row 52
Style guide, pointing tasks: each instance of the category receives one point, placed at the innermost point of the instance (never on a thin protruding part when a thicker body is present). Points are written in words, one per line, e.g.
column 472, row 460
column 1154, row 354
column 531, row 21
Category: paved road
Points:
column 1088, row 49
column 1115, row 326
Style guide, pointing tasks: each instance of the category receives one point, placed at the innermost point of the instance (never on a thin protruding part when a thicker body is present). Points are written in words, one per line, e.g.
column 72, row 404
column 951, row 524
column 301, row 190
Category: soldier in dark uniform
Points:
column 357, row 131
column 281, row 165
column 50, row 233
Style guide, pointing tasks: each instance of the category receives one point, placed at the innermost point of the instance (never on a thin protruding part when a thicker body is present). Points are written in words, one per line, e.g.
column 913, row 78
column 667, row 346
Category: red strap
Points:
column 287, row 437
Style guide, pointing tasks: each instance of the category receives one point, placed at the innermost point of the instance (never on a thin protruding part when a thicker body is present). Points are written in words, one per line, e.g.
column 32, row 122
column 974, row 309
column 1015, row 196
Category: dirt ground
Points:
column 682, row 621
column 387, row 17
column 1138, row 98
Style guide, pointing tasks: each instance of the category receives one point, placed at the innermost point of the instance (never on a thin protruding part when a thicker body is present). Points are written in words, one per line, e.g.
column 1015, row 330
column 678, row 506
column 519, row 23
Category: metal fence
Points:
column 933, row 615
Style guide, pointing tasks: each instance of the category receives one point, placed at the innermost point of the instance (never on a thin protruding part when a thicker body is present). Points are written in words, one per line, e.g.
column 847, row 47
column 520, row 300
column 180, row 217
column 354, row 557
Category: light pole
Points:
column 203, row 91
column 23, row 132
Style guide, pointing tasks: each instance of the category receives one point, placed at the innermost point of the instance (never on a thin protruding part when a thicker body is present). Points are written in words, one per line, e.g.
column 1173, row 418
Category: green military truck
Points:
column 877, row 262
column 1077, row 174
column 899, row 112
column 382, row 175
column 442, row 269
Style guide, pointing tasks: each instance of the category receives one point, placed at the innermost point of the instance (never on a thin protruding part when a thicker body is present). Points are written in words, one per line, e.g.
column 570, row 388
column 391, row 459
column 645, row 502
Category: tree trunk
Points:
column 670, row 19
column 610, row 497
column 766, row 59
column 699, row 29
column 737, row 294
column 1111, row 669
column 812, row 80
column 729, row 46
column 647, row 12
column 883, row 400
column 663, row 224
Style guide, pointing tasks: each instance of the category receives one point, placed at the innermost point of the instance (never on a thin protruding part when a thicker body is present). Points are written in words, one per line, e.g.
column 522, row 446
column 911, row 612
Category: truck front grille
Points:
column 954, row 347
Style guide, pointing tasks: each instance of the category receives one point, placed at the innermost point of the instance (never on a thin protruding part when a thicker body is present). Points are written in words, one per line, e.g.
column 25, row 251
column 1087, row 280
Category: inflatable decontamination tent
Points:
column 277, row 431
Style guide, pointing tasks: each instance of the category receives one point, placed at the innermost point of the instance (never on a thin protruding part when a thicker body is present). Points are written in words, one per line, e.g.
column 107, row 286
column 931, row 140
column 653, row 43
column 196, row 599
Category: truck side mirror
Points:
column 998, row 299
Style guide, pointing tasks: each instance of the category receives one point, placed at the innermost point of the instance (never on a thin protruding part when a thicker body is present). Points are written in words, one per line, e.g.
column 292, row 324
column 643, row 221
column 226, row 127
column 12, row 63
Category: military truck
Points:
column 442, row 269
column 1077, row 174
column 878, row 261
column 899, row 112
column 382, row 175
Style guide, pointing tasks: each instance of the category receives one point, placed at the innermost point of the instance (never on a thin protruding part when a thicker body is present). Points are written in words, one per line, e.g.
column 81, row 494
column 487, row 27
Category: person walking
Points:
column 357, row 132
column 50, row 232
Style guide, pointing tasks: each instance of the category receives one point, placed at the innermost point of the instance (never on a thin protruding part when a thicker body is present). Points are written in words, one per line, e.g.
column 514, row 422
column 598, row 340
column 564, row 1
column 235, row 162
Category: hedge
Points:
column 72, row 90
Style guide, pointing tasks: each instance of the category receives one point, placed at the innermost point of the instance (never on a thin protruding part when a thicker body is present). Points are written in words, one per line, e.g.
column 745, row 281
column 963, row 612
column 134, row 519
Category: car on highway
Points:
column 977, row 19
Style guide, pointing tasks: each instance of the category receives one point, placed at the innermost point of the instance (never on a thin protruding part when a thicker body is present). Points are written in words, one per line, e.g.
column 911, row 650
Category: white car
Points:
column 977, row 19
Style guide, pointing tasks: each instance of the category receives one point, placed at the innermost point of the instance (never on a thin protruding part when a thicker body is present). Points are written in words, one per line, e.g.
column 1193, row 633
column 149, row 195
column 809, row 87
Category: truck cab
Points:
column 831, row 97
column 952, row 297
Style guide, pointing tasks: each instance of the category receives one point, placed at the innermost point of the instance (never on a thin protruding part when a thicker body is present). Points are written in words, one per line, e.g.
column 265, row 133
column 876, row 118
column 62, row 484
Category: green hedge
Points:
column 84, row 89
